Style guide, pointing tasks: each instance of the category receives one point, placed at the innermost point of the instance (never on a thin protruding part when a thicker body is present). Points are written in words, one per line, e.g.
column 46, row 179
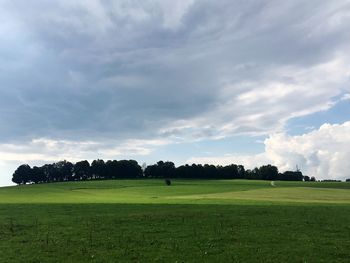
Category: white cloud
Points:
column 323, row 153
column 345, row 97
column 265, row 106
column 44, row 150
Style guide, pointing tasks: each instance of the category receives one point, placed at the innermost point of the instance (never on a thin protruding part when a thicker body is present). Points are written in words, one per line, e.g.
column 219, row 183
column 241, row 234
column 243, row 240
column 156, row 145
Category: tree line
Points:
column 129, row 169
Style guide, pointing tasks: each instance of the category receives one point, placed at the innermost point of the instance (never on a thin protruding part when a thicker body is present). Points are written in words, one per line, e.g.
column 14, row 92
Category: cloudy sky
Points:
column 251, row 82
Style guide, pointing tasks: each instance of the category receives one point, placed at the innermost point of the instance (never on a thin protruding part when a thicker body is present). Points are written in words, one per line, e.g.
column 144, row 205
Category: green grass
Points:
column 180, row 192
column 189, row 221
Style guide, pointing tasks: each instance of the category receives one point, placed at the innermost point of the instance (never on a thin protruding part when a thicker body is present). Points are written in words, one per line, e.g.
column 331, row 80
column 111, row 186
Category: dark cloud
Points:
column 141, row 69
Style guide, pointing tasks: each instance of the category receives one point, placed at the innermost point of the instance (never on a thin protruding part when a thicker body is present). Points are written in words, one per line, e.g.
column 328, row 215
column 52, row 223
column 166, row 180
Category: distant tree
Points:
column 228, row 172
column 113, row 169
column 38, row 175
column 52, row 172
column 98, row 169
column 161, row 170
column 347, row 180
column 182, row 171
column 168, row 169
column 291, row 176
column 248, row 174
column 209, row 171
column 22, row 174
column 49, row 172
column 196, row 171
column 241, row 172
column 167, row 182
column 268, row 172
column 131, row 169
column 150, row 171
column 254, row 174
column 46, row 170
column 81, row 170
column 63, row 171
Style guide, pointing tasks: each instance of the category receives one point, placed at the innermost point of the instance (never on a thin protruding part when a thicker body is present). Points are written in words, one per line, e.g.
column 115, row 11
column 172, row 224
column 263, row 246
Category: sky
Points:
column 190, row 81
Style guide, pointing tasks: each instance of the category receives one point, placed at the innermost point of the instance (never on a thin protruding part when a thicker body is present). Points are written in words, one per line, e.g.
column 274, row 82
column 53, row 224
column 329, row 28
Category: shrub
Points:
column 167, row 182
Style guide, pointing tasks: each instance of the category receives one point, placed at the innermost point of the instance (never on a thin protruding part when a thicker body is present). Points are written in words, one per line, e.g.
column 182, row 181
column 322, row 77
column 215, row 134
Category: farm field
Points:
column 189, row 221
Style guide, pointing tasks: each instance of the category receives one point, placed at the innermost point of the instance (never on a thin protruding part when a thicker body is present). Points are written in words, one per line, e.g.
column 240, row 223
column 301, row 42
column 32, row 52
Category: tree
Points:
column 129, row 169
column 167, row 182
column 160, row 170
column 291, row 176
column 167, row 169
column 38, row 175
column 63, row 171
column 98, row 169
column 241, row 171
column 112, row 169
column 48, row 170
column 210, row 171
column 22, row 174
column 253, row 174
column 268, row 172
column 306, row 178
column 81, row 170
column 228, row 172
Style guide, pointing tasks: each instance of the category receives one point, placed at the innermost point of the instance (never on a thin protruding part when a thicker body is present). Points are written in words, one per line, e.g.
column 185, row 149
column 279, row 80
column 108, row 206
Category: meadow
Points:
column 189, row 221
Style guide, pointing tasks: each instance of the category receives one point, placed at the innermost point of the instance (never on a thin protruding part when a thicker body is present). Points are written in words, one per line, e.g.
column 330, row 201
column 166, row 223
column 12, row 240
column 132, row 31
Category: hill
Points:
column 189, row 221
column 180, row 192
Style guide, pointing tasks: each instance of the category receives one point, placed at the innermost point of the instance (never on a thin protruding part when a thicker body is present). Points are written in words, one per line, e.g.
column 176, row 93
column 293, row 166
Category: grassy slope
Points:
column 190, row 221
column 180, row 192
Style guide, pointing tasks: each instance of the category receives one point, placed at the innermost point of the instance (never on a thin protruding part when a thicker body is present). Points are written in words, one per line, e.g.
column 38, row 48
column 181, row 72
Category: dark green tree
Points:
column 98, row 169
column 81, row 170
column 63, row 171
column 268, row 172
column 38, row 175
column 22, row 174
column 306, row 178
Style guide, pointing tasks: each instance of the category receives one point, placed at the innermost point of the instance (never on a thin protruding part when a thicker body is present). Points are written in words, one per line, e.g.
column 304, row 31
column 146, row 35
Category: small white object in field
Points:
column 273, row 183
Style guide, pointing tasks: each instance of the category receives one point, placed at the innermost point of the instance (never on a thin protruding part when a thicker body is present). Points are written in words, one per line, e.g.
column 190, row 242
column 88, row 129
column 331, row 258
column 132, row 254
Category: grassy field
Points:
column 189, row 221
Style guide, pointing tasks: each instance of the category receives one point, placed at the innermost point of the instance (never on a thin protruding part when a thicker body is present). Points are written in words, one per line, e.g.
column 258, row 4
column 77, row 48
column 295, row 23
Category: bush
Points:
column 167, row 182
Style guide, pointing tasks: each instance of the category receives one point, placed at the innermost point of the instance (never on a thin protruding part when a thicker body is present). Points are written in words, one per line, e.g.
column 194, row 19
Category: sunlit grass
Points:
column 180, row 192
column 189, row 221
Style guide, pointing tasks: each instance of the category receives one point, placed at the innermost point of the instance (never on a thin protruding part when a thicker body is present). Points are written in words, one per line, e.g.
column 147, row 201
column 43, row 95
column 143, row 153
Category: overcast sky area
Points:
column 247, row 82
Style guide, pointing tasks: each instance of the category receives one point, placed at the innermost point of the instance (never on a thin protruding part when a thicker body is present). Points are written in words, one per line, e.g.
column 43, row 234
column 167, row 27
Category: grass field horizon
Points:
column 145, row 191
column 189, row 221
